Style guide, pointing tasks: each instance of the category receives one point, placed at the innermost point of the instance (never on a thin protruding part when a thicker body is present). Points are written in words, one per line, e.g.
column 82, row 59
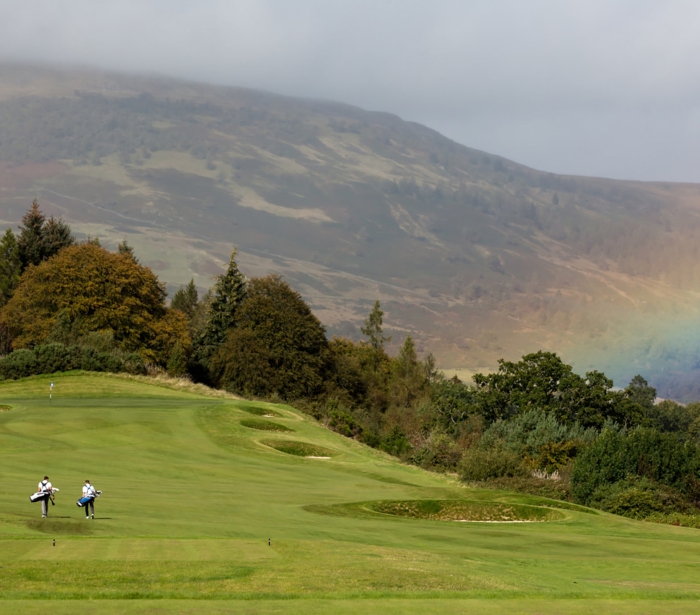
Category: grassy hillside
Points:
column 191, row 497
column 476, row 255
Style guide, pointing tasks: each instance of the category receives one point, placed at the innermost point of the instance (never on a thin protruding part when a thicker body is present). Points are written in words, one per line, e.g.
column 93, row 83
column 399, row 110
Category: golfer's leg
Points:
column 44, row 507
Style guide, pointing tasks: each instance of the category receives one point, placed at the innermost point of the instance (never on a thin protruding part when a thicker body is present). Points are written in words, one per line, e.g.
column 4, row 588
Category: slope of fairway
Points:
column 192, row 495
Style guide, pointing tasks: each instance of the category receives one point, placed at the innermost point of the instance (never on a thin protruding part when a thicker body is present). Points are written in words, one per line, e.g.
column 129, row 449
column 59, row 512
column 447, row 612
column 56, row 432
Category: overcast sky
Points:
column 592, row 87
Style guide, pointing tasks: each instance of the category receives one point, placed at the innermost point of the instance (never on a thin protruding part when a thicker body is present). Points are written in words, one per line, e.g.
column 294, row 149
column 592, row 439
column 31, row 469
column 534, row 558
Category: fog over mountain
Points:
column 592, row 88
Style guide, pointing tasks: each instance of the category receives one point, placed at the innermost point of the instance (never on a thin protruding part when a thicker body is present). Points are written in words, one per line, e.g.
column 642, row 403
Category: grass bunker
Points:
column 300, row 449
column 257, row 410
column 462, row 510
column 264, row 425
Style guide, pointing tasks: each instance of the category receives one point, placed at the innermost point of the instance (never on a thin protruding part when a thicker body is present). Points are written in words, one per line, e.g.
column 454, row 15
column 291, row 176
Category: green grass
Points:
column 258, row 410
column 300, row 449
column 191, row 498
column 264, row 425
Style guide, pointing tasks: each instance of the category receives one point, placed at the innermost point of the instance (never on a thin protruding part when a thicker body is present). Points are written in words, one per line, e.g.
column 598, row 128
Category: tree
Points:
column 186, row 299
column 542, row 380
column 30, row 250
column 39, row 238
column 228, row 293
column 639, row 391
column 86, row 288
column 373, row 328
column 177, row 363
column 10, row 266
column 275, row 329
column 127, row 249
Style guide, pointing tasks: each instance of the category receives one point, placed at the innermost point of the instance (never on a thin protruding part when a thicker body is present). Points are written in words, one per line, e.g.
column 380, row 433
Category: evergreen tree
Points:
column 125, row 248
column 229, row 291
column 30, row 252
column 186, row 300
column 373, row 328
column 55, row 235
column 10, row 266
column 278, row 345
column 39, row 238
column 177, row 363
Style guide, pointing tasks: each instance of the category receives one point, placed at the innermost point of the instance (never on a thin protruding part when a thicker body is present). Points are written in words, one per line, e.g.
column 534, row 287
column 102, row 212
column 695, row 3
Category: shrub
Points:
column 479, row 464
column 679, row 519
column 18, row 364
column 638, row 498
column 51, row 358
column 616, row 456
column 438, row 451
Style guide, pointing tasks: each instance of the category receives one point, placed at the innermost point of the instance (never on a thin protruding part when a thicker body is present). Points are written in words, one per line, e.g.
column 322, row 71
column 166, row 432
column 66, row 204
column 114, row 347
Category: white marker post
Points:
column 51, row 392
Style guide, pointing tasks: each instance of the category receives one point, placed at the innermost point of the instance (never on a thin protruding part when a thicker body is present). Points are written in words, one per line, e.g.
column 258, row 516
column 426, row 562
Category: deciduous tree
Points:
column 88, row 288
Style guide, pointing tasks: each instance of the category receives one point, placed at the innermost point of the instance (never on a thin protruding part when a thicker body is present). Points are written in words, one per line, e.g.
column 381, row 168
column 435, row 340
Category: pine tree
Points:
column 177, row 363
column 10, row 266
column 229, row 291
column 186, row 299
column 39, row 238
column 30, row 251
column 373, row 328
column 55, row 235
column 125, row 248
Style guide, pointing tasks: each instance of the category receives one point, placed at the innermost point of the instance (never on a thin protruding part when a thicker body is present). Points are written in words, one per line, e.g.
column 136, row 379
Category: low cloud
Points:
column 596, row 87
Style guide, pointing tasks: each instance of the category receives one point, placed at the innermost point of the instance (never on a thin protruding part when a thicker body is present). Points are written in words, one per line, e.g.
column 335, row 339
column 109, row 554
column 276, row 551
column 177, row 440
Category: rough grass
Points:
column 264, row 425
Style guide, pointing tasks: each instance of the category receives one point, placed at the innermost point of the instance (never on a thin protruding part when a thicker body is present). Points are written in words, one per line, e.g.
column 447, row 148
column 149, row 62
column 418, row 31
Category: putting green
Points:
column 191, row 497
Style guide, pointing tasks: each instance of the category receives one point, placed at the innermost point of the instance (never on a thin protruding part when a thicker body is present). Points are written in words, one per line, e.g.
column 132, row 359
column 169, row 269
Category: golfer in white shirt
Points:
column 89, row 492
column 45, row 487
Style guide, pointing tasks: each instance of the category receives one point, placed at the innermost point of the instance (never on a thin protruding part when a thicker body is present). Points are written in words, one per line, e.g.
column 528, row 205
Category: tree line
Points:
column 533, row 425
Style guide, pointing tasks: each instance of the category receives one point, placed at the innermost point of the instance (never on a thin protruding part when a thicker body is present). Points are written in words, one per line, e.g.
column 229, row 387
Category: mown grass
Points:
column 191, row 498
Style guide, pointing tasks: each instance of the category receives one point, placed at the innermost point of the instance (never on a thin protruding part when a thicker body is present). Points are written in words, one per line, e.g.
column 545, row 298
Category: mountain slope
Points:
column 477, row 256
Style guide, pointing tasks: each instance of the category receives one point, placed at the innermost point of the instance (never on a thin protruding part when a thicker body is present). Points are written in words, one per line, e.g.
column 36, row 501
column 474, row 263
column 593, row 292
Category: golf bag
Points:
column 42, row 495
column 87, row 499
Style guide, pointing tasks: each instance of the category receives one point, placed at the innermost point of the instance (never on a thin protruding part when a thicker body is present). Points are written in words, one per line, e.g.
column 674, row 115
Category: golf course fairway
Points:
column 195, row 485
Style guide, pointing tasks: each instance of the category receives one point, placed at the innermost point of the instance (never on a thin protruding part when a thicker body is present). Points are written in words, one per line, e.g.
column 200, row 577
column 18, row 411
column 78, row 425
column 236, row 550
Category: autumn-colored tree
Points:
column 88, row 288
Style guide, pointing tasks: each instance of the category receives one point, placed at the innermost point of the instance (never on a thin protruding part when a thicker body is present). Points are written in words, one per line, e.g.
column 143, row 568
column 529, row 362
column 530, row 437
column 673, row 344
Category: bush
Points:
column 616, row 456
column 679, row 519
column 638, row 498
column 51, row 358
column 479, row 464
column 438, row 452
column 554, row 489
column 18, row 364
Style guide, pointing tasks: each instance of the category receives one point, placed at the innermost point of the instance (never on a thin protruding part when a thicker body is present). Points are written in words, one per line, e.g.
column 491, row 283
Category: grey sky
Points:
column 595, row 87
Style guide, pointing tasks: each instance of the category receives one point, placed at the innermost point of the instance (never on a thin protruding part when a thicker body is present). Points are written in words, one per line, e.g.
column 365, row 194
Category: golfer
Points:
column 89, row 492
column 45, row 487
